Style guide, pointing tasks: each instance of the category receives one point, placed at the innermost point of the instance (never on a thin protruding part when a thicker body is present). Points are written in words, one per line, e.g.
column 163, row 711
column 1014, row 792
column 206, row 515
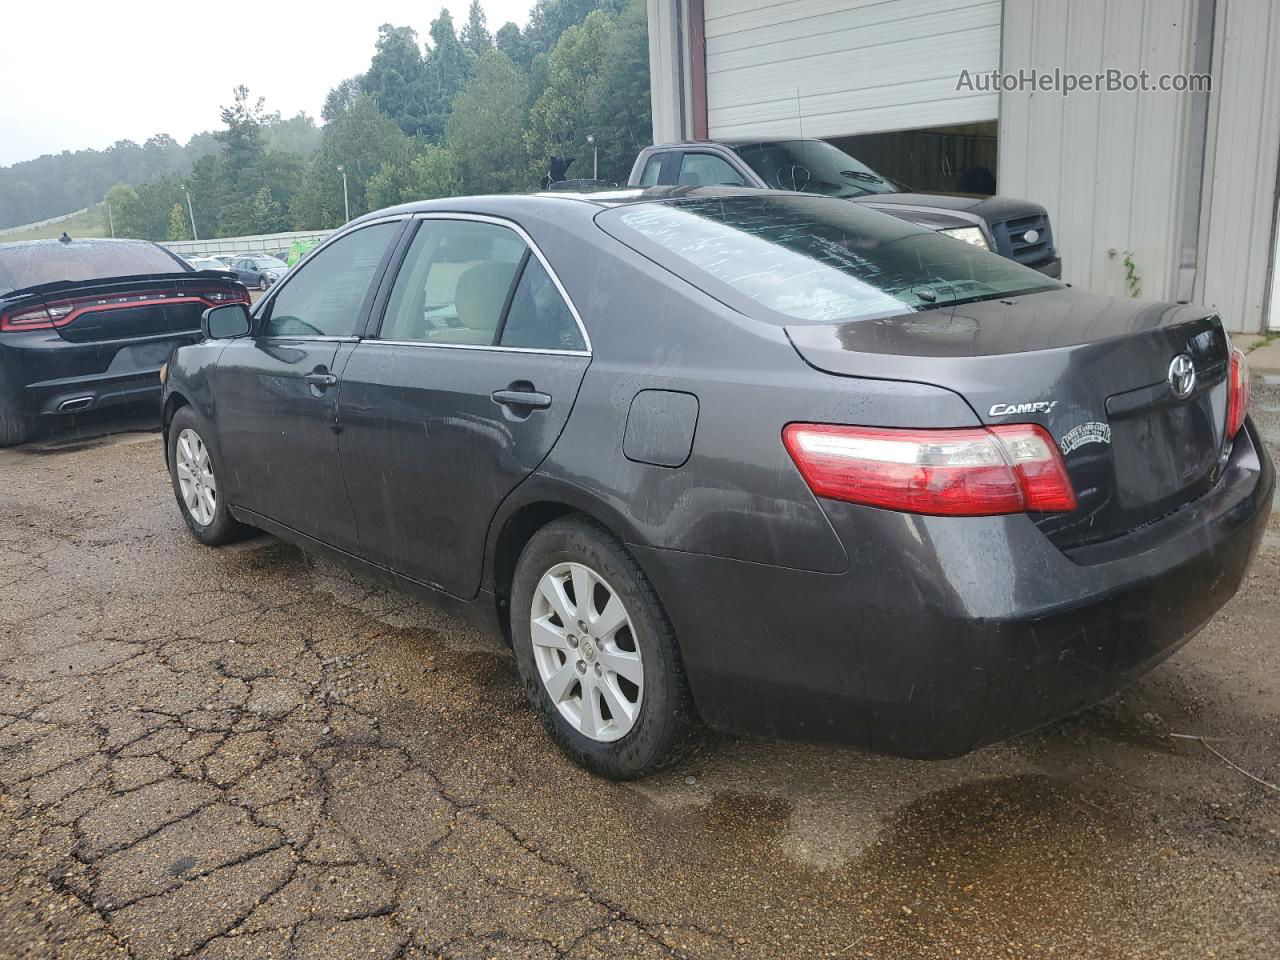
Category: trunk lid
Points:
column 129, row 308
column 1095, row 371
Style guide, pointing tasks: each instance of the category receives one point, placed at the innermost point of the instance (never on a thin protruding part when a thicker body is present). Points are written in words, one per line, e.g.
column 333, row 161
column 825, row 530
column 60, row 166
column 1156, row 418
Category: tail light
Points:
column 49, row 316
column 1239, row 393
column 1011, row 468
column 36, row 318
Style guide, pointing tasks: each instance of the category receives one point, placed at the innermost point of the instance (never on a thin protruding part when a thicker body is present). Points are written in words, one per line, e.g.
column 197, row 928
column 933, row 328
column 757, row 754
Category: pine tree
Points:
column 179, row 229
column 475, row 34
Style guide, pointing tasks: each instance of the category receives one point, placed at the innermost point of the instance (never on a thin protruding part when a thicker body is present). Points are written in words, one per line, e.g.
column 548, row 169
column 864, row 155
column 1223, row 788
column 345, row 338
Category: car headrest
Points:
column 480, row 294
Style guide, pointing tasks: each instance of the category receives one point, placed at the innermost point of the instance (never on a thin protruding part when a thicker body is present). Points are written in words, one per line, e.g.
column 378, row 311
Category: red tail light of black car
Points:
column 1012, row 468
column 1239, row 393
column 60, row 313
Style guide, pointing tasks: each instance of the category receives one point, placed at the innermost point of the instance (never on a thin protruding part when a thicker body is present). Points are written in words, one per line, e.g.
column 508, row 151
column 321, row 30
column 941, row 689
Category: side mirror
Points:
column 225, row 322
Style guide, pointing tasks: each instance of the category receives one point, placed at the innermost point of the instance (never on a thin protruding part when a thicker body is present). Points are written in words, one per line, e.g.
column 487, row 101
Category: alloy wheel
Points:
column 195, row 477
column 586, row 653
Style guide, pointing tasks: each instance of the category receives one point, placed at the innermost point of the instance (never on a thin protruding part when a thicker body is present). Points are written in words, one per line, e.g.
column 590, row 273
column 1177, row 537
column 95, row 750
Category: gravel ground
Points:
column 245, row 753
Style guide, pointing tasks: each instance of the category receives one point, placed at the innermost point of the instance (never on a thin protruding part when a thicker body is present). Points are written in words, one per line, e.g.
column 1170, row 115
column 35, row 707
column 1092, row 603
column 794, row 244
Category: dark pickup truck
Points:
column 1016, row 229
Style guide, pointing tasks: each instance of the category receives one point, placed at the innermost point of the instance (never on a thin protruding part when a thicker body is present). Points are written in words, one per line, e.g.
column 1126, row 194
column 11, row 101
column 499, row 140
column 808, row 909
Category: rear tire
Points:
column 194, row 467
column 16, row 425
column 593, row 663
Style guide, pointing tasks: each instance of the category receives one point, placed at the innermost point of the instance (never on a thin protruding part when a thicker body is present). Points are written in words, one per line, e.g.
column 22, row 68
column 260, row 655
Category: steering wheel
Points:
column 793, row 176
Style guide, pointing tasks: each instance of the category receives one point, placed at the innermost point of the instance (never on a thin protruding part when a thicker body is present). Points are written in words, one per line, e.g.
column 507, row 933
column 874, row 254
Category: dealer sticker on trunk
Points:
column 1091, row 432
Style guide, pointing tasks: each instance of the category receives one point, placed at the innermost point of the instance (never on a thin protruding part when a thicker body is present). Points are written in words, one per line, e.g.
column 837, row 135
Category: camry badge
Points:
column 1182, row 376
column 1037, row 406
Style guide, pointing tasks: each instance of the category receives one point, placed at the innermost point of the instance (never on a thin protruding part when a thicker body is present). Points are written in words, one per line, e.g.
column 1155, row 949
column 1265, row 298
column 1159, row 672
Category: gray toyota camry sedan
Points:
column 771, row 462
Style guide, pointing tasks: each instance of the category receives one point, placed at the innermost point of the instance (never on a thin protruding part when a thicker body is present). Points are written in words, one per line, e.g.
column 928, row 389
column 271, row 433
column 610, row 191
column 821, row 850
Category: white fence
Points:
column 43, row 223
column 263, row 243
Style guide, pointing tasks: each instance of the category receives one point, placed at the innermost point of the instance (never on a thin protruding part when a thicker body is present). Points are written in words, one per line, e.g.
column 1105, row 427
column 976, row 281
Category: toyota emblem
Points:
column 1182, row 376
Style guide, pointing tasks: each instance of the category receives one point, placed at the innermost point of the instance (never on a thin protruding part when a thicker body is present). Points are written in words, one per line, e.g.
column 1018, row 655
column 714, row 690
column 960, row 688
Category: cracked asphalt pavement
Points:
column 246, row 753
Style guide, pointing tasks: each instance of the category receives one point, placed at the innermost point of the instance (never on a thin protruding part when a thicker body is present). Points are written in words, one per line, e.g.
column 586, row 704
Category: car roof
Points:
column 731, row 142
column 588, row 201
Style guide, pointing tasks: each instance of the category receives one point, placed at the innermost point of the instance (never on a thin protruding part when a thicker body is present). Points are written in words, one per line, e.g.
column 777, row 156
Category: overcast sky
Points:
column 84, row 74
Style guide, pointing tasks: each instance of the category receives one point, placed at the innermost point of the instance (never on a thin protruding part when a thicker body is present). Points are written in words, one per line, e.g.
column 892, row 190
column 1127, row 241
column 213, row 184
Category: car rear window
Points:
column 31, row 264
column 787, row 258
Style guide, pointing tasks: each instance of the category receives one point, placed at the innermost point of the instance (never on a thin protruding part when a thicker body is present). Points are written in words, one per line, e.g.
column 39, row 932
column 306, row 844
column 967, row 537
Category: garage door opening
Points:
column 952, row 159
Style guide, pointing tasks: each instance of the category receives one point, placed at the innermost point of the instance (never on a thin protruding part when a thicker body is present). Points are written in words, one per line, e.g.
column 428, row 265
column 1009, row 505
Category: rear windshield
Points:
column 813, row 259
column 31, row 264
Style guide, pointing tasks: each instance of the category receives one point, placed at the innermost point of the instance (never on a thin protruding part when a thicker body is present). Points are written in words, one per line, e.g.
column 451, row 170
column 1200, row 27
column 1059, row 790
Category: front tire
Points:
column 193, row 470
column 596, row 654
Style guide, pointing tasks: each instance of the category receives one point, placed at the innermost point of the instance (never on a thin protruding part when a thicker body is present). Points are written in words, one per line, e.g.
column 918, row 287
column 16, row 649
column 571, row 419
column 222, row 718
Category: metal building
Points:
column 1173, row 191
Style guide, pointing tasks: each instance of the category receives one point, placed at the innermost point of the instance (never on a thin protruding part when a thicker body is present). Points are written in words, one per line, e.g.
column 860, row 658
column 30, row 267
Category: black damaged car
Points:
column 86, row 324
column 774, row 461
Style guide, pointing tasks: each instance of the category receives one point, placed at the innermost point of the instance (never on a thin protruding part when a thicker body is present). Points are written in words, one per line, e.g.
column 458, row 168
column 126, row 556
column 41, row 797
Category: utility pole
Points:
column 191, row 213
column 595, row 157
column 346, row 207
column 111, row 220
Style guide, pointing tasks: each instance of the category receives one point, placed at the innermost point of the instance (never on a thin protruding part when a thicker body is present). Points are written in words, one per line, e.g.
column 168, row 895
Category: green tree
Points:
column 114, row 204
column 298, row 135
column 433, row 173
column 475, row 32
column 267, row 214
column 243, row 137
column 449, row 66
column 485, row 127
column 339, row 98
column 361, row 140
column 179, row 229
column 510, row 41
column 398, row 79
column 619, row 112
column 557, row 122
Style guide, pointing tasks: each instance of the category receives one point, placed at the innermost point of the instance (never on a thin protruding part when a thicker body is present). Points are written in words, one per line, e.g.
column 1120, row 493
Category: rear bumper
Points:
column 946, row 634
column 45, row 374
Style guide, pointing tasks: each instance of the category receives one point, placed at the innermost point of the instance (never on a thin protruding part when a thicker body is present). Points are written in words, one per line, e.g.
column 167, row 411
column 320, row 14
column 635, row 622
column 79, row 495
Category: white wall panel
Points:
column 1110, row 167
column 843, row 67
column 1238, row 224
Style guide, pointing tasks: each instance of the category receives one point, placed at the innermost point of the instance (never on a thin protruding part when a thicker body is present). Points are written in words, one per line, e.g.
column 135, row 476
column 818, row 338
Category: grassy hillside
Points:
column 87, row 224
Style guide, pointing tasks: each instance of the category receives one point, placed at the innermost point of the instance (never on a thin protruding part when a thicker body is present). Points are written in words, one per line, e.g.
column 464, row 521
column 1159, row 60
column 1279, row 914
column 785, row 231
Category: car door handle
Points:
column 321, row 379
column 529, row 399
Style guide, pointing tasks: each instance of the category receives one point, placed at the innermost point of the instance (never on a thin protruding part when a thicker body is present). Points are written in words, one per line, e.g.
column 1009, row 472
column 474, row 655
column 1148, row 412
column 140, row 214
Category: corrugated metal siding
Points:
column 1238, row 223
column 846, row 66
column 1109, row 167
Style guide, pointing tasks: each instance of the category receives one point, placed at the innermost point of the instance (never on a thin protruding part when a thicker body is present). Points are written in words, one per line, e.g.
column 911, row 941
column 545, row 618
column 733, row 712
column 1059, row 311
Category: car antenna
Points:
column 803, row 145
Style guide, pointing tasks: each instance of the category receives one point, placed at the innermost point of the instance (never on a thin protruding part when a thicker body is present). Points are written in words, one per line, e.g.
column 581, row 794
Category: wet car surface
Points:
column 247, row 753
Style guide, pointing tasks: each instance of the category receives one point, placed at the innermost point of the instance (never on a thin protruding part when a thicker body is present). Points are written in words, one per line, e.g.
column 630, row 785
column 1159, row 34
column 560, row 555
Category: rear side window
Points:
column 49, row 261
column 324, row 298
column 539, row 318
column 707, row 170
column 816, row 259
column 454, row 283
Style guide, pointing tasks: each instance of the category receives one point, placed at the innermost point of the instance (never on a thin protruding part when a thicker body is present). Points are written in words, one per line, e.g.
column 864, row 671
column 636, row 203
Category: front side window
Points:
column 706, row 170
column 652, row 170
column 325, row 297
column 789, row 258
